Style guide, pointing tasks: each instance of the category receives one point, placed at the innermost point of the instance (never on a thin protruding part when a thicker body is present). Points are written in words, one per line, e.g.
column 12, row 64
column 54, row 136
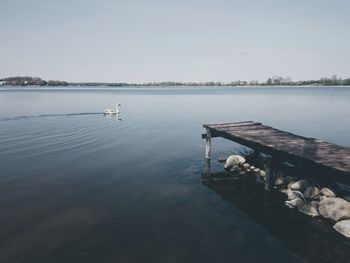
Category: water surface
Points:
column 76, row 186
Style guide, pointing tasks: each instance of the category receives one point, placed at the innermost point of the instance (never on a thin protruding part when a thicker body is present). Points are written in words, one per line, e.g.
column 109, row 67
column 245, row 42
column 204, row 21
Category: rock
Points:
column 315, row 204
column 294, row 203
column 299, row 185
column 279, row 182
column 246, row 165
column 234, row 160
column 328, row 192
column 334, row 208
column 256, row 170
column 322, row 197
column 222, row 159
column 234, row 169
column 252, row 168
column 290, row 184
column 312, row 192
column 262, row 173
column 293, row 194
column 308, row 209
column 343, row 227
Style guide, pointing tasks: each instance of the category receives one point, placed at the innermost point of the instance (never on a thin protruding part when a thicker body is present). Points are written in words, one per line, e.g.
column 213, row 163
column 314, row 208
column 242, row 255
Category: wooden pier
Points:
column 324, row 157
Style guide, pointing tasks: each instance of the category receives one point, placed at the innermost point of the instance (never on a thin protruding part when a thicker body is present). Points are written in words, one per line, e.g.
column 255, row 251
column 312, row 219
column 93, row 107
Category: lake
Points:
column 78, row 186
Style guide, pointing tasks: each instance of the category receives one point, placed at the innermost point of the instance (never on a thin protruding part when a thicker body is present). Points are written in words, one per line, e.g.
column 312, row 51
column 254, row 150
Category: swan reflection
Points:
column 115, row 117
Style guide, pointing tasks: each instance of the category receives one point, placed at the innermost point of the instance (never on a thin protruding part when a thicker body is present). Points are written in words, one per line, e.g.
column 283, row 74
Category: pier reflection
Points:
column 311, row 238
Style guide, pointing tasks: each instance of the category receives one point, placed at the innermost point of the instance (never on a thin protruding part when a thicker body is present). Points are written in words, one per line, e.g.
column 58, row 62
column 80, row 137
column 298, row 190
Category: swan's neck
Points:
column 117, row 108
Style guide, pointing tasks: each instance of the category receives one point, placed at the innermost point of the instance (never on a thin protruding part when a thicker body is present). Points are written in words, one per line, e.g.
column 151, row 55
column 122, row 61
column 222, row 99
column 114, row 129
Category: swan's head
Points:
column 118, row 104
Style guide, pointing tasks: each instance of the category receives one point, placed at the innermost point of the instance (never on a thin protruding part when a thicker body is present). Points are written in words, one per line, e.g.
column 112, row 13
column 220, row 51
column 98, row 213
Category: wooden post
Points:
column 270, row 173
column 208, row 145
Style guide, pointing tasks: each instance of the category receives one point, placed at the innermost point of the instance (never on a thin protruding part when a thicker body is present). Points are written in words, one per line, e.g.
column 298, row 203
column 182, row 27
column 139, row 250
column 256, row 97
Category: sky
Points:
column 174, row 40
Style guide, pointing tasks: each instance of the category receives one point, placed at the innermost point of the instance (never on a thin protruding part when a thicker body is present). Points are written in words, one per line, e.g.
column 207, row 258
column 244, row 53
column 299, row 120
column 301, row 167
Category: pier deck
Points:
column 328, row 157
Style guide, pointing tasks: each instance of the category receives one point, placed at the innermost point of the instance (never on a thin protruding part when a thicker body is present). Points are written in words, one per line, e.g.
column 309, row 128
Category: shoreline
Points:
column 8, row 87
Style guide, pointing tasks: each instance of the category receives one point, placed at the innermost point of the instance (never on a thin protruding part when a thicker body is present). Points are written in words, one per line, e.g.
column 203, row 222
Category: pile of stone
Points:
column 305, row 195
column 310, row 199
column 238, row 164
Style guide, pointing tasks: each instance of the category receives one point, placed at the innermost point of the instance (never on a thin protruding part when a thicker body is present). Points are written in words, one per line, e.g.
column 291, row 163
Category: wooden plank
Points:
column 234, row 124
column 213, row 135
column 259, row 129
column 226, row 123
column 245, row 129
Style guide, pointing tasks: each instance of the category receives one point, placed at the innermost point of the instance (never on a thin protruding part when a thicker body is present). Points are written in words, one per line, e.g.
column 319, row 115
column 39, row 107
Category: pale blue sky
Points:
column 158, row 40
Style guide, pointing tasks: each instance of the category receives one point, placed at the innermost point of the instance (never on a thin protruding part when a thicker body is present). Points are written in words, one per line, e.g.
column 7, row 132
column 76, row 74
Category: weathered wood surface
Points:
column 284, row 144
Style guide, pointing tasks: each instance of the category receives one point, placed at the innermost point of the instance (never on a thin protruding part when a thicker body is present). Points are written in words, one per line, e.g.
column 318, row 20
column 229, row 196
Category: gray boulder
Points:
column 334, row 208
column 246, row 165
column 293, row 194
column 315, row 204
column 290, row 184
column 308, row 209
column 279, row 182
column 234, row 160
column 343, row 227
column 234, row 169
column 328, row 192
column 323, row 197
column 262, row 173
column 294, row 203
column 299, row 185
column 312, row 193
column 222, row 159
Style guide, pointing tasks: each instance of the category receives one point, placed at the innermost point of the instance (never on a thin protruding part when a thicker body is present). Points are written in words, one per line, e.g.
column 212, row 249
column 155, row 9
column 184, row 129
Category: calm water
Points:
column 76, row 186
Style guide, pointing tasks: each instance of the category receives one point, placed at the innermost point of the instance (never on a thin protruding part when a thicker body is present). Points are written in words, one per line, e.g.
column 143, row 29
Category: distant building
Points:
column 2, row 83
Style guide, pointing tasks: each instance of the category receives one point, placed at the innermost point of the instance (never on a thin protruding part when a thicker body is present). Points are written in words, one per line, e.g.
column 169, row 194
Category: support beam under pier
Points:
column 208, row 144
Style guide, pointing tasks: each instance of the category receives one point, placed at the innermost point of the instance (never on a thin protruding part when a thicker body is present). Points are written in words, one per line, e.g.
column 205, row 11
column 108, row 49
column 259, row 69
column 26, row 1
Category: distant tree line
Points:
column 273, row 81
column 333, row 81
column 30, row 81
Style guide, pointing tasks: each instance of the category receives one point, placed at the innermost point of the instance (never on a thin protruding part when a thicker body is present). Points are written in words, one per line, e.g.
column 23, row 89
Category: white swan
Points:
column 112, row 111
